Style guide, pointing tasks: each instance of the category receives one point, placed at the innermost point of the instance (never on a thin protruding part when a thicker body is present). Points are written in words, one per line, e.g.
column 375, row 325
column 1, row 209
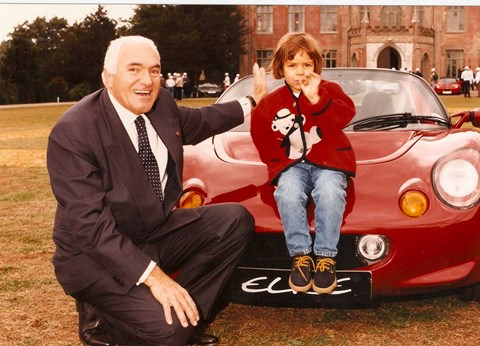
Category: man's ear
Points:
column 107, row 79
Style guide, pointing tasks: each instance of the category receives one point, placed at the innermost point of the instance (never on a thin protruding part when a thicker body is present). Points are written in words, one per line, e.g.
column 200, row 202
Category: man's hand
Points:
column 171, row 295
column 260, row 88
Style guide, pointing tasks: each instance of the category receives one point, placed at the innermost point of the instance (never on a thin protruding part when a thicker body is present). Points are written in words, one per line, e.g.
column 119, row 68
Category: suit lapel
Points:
column 168, row 129
column 129, row 165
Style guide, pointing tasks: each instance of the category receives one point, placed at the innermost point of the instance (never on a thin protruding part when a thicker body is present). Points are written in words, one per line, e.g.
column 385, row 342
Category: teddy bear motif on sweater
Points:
column 286, row 123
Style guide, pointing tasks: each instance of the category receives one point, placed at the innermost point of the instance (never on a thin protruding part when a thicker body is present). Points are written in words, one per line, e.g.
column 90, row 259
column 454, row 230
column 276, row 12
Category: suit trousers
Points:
column 203, row 254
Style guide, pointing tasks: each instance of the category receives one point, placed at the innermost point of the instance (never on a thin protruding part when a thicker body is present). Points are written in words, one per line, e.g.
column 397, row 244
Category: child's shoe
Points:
column 301, row 276
column 324, row 279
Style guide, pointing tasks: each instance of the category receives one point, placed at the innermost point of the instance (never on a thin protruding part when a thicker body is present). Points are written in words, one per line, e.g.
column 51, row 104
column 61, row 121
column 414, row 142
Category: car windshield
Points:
column 447, row 80
column 384, row 99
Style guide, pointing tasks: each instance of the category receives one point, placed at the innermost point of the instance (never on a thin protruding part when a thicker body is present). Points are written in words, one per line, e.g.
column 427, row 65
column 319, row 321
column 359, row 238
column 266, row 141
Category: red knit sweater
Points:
column 287, row 130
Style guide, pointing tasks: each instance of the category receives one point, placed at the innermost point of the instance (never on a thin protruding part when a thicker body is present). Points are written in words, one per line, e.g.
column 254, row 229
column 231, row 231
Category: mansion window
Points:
column 364, row 14
column 419, row 15
column 455, row 18
column 296, row 18
column 391, row 17
column 264, row 19
column 454, row 62
column 328, row 18
column 264, row 58
column 329, row 58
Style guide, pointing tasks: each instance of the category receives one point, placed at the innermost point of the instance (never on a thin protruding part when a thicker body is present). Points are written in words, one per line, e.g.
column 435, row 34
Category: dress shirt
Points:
column 158, row 148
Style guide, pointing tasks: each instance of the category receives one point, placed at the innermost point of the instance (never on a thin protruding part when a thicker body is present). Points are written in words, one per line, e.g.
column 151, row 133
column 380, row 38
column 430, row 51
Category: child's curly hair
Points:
column 289, row 45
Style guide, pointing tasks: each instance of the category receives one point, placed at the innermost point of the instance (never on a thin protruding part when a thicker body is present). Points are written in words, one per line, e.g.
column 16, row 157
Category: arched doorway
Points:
column 389, row 58
column 354, row 62
column 425, row 64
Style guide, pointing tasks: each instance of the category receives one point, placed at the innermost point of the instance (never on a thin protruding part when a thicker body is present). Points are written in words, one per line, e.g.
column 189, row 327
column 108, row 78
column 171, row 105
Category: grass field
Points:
column 34, row 310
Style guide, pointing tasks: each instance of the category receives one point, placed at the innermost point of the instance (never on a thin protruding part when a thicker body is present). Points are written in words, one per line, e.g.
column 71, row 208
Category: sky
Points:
column 16, row 12
column 12, row 15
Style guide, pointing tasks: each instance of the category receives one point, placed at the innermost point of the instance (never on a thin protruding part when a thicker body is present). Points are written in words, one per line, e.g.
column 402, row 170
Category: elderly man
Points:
column 115, row 163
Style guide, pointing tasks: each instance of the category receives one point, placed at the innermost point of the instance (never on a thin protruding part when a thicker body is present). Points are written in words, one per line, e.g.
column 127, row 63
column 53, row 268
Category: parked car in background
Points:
column 448, row 86
column 411, row 224
column 208, row 90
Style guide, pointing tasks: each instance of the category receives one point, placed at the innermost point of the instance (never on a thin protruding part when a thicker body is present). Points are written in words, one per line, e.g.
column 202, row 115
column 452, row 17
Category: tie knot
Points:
column 140, row 122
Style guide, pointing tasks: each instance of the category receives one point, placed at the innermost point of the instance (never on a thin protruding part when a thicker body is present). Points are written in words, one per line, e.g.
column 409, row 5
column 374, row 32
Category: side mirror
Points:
column 472, row 116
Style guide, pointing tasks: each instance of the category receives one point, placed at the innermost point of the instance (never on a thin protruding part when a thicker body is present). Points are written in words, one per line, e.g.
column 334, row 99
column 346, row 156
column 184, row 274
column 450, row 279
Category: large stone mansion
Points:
column 400, row 37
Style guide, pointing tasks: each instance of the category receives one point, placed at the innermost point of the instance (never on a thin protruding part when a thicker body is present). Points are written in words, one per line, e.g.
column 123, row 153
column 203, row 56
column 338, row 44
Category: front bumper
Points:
column 411, row 267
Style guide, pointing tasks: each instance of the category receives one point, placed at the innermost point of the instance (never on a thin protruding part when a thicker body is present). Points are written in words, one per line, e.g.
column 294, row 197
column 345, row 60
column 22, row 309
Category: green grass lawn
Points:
column 458, row 103
column 35, row 311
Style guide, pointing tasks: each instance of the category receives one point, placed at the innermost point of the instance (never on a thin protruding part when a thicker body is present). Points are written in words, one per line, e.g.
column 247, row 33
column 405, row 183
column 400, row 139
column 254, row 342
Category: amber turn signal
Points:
column 191, row 199
column 413, row 203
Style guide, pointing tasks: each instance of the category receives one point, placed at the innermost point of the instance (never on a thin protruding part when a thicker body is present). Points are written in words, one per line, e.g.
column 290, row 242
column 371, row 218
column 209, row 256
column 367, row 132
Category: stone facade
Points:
column 400, row 37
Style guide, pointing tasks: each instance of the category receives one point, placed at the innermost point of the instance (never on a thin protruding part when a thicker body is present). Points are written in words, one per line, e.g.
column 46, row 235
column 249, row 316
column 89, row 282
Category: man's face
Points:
column 136, row 82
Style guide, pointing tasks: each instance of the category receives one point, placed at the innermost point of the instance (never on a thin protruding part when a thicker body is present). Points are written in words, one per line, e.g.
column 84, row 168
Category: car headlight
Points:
column 191, row 199
column 372, row 247
column 456, row 179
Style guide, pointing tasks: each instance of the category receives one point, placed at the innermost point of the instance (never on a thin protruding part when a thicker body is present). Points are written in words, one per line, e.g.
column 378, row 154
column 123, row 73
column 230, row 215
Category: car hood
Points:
column 237, row 147
column 388, row 164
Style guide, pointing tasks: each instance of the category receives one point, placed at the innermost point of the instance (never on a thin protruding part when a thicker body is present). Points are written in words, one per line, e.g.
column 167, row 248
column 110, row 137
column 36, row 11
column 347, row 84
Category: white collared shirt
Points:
column 158, row 148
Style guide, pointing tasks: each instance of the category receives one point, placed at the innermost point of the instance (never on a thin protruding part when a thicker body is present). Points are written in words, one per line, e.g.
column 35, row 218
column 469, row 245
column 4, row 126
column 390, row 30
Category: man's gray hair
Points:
column 113, row 52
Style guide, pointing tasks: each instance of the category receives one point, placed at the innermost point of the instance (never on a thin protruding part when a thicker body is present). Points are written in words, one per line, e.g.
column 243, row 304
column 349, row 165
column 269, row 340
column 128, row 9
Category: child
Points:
column 297, row 130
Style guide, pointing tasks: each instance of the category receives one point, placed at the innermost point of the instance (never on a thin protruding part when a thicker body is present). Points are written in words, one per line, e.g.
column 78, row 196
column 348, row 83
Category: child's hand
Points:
column 309, row 85
column 260, row 88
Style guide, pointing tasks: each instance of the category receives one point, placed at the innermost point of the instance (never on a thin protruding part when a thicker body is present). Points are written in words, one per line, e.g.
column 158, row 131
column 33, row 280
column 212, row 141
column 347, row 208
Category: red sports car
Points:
column 412, row 223
column 448, row 86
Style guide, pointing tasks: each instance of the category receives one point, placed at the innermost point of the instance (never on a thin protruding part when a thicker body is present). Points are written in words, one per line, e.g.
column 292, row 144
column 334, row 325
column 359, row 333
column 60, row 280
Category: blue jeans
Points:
column 328, row 190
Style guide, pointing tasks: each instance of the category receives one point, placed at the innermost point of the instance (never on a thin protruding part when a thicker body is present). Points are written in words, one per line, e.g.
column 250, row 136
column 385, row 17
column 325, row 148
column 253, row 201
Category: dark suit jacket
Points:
column 106, row 205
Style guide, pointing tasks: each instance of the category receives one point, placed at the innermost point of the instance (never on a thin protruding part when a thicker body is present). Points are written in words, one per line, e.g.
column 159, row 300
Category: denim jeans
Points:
column 328, row 190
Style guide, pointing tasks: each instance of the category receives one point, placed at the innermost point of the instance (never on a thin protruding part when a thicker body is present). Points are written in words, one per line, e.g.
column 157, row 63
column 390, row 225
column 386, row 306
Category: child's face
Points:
column 298, row 69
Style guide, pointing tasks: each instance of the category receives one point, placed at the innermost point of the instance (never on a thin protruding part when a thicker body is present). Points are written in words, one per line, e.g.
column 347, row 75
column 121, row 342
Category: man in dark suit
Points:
column 118, row 240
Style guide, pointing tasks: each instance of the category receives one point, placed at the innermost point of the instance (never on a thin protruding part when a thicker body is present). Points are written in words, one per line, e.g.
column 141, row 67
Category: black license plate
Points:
column 269, row 287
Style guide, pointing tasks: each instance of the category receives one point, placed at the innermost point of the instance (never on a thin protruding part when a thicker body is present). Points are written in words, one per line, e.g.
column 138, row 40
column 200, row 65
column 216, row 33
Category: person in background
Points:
column 162, row 80
column 467, row 78
column 297, row 130
column 433, row 76
column 237, row 77
column 418, row 72
column 477, row 81
column 115, row 162
column 170, row 84
column 187, row 92
column 202, row 78
column 226, row 81
column 178, row 89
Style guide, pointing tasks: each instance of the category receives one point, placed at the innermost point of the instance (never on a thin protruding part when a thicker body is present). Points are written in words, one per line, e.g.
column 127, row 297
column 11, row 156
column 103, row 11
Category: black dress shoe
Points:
column 90, row 330
column 203, row 340
column 95, row 337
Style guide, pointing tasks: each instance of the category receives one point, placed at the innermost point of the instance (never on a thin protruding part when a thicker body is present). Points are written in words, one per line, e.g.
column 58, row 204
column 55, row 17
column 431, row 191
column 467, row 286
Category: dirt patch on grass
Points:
column 22, row 158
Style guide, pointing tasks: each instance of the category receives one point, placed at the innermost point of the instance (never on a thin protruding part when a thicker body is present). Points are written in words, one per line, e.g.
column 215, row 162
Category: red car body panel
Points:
column 436, row 251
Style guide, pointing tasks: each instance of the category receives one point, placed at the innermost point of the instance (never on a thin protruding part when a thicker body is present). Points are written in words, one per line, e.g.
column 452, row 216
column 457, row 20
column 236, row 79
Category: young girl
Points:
column 297, row 130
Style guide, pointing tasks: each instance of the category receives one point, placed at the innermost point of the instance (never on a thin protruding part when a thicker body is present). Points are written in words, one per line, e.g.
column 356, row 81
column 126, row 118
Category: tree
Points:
column 194, row 38
column 7, row 94
column 31, row 58
column 173, row 32
column 85, row 50
column 44, row 59
column 223, row 32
